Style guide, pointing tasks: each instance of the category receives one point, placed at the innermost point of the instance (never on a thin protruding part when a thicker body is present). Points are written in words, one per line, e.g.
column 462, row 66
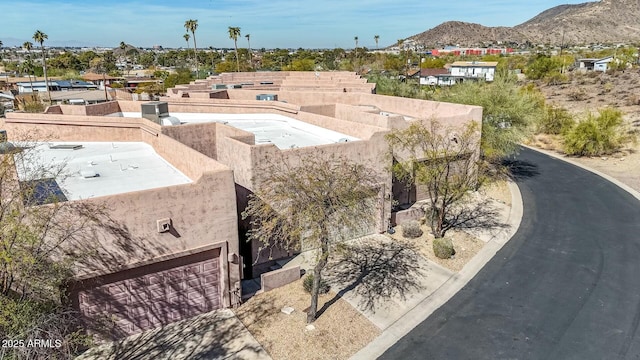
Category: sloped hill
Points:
column 605, row 21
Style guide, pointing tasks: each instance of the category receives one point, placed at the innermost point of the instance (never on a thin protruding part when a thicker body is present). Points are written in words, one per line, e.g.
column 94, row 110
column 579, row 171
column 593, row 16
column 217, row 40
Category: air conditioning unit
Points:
column 155, row 110
column 164, row 225
column 267, row 97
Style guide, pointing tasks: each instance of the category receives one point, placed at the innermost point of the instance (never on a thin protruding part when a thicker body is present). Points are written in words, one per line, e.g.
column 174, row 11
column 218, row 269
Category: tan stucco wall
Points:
column 202, row 213
column 200, row 137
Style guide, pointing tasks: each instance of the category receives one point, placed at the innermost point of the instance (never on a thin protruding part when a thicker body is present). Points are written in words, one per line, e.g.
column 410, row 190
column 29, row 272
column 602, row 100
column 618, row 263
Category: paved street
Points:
column 566, row 286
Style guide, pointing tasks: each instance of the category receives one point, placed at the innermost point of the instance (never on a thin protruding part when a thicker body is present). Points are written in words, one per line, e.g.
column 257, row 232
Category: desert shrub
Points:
column 633, row 100
column 411, row 229
column 608, row 87
column 555, row 120
column 307, row 284
column 556, row 78
column 597, row 135
column 443, row 248
column 33, row 106
column 578, row 95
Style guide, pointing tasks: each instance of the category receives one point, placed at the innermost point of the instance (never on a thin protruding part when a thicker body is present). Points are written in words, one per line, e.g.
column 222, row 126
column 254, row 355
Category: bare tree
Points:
column 321, row 200
column 444, row 162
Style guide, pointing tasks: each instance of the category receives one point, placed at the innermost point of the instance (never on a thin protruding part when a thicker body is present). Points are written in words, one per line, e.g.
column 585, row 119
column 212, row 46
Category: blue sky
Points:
column 271, row 23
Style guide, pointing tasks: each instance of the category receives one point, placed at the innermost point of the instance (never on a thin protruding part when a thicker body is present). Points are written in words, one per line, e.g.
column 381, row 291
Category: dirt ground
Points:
column 465, row 245
column 339, row 332
column 590, row 92
column 594, row 90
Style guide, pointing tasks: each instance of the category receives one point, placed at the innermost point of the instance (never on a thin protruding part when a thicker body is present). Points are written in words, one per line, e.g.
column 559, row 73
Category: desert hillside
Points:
column 604, row 21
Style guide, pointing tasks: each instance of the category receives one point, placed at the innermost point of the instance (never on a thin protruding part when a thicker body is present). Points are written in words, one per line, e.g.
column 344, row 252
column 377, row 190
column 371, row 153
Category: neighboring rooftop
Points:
column 282, row 131
column 93, row 169
column 475, row 64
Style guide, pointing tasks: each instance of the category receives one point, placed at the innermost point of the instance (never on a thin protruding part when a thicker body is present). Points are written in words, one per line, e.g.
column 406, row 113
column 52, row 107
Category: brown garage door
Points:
column 138, row 299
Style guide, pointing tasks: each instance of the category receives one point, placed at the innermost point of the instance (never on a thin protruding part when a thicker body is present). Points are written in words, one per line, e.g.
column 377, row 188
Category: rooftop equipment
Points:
column 267, row 97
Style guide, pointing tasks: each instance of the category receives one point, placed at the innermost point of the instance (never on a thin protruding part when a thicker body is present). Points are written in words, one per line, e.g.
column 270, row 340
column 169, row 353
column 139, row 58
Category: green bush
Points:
column 555, row 120
column 411, row 229
column 443, row 248
column 597, row 135
column 307, row 284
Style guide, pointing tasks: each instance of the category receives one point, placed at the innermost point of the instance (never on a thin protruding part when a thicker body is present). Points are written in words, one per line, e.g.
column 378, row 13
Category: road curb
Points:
column 446, row 291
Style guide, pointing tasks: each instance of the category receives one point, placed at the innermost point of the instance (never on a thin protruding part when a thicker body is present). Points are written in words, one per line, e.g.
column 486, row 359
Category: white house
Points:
column 485, row 70
column 433, row 77
column 595, row 64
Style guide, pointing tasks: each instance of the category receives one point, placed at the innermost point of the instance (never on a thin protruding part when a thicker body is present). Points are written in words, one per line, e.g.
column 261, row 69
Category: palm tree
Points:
column 234, row 33
column 211, row 50
column 248, row 36
column 356, row 59
column 28, row 45
column 192, row 25
column 186, row 38
column 376, row 38
column 40, row 37
column 356, row 40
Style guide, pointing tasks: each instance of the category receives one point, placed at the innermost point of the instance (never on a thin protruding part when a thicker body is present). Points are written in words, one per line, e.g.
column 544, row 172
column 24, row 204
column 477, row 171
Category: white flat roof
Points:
column 282, row 131
column 120, row 167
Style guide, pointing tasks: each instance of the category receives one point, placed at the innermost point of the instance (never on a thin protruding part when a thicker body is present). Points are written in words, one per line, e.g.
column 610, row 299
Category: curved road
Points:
column 566, row 286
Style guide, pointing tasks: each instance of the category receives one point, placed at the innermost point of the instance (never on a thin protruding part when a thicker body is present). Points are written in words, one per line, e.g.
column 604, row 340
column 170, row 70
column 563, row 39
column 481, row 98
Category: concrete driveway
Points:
column 215, row 335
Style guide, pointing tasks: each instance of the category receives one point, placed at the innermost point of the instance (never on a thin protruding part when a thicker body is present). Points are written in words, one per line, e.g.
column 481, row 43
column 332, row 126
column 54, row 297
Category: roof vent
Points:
column 343, row 140
column 163, row 225
column 66, row 147
column 88, row 173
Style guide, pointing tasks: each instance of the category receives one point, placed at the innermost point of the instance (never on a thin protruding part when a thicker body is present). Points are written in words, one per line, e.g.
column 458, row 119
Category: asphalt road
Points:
column 566, row 286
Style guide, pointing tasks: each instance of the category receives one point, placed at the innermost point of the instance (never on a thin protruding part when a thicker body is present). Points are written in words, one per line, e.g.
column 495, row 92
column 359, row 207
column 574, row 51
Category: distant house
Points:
column 594, row 64
column 434, row 77
column 99, row 79
column 485, row 70
column 57, row 85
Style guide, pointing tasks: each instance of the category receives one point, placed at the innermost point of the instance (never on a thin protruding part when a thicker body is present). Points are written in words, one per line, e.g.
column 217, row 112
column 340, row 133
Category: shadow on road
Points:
column 520, row 169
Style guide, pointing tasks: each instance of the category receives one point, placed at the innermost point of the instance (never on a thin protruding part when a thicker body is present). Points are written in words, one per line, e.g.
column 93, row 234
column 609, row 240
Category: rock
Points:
column 287, row 310
column 310, row 327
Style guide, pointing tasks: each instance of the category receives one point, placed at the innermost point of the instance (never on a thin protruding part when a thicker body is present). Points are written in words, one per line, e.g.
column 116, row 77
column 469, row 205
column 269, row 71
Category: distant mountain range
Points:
column 601, row 22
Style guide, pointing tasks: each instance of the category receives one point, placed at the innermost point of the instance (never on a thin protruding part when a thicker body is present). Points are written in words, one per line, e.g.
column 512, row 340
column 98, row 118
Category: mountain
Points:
column 604, row 21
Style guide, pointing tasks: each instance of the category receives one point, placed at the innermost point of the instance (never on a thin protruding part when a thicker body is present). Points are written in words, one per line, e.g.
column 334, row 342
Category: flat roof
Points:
column 117, row 167
column 282, row 131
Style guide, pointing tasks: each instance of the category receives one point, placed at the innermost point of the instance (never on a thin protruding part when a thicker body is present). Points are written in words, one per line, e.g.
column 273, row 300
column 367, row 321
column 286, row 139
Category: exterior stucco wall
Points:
column 77, row 127
column 449, row 113
column 202, row 213
column 200, row 137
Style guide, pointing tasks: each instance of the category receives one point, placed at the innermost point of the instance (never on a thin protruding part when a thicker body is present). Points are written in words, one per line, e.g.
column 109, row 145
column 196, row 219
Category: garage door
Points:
column 150, row 296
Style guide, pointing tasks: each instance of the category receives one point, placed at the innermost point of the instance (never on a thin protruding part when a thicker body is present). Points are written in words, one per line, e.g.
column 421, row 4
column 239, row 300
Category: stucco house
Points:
column 169, row 249
column 180, row 248
column 336, row 101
